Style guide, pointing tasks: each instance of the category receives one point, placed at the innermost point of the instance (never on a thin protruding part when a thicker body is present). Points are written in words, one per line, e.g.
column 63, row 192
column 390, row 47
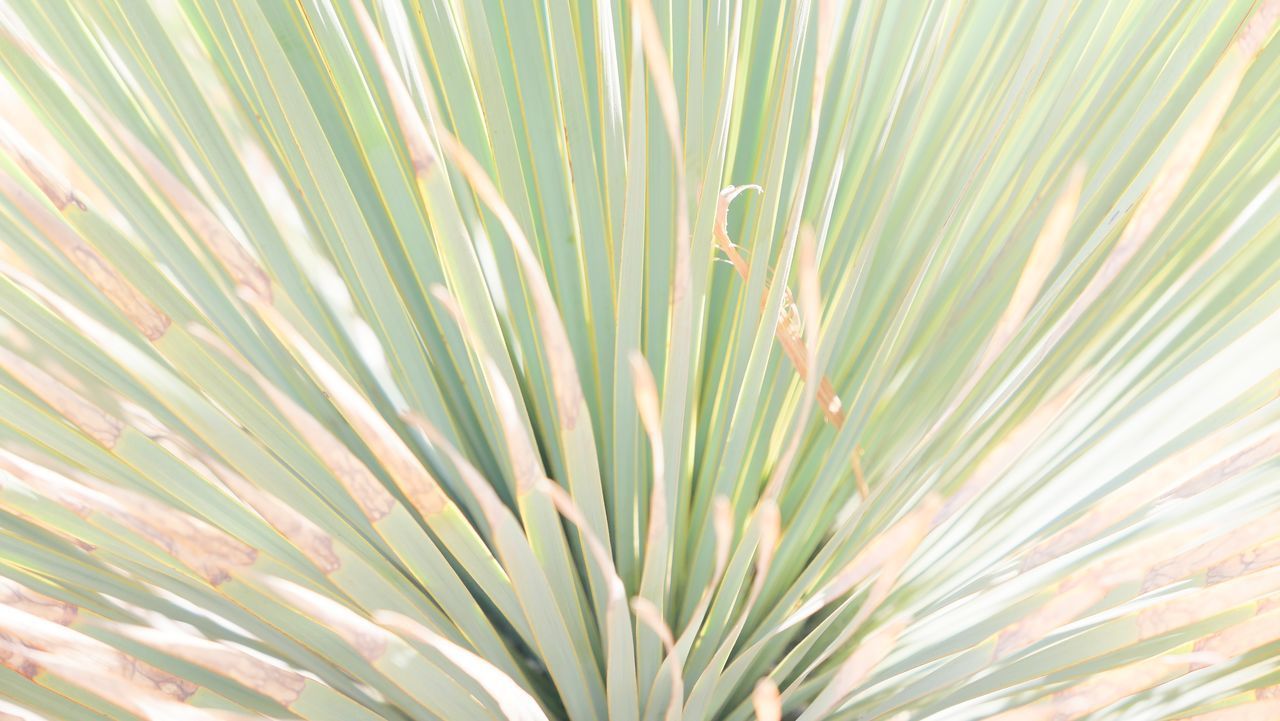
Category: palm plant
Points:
column 485, row 359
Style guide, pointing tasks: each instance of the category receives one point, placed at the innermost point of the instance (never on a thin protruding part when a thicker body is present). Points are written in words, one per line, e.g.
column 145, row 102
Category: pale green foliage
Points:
column 422, row 359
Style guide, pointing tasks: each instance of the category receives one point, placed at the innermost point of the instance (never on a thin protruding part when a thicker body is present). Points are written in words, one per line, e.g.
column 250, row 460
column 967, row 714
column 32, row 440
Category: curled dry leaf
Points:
column 790, row 323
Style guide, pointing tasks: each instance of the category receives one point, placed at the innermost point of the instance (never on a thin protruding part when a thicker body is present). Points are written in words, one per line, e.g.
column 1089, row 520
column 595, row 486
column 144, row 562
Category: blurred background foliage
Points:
column 635, row 359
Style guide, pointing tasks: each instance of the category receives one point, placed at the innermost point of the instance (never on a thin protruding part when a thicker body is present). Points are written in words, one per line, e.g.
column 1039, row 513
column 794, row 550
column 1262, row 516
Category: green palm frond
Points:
column 428, row 359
